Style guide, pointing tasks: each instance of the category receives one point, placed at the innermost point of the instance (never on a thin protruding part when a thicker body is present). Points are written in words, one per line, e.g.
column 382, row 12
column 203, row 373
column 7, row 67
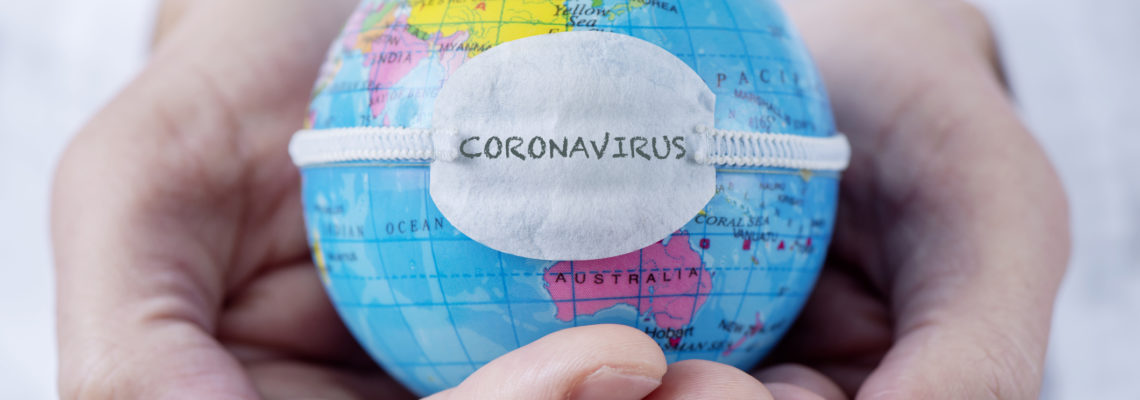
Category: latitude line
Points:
column 349, row 56
column 461, row 239
column 721, row 168
column 539, row 274
column 341, row 88
column 551, row 301
column 614, row 27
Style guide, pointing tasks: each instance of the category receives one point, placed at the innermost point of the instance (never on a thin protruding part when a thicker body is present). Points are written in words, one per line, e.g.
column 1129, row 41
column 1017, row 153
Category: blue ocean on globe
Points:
column 432, row 306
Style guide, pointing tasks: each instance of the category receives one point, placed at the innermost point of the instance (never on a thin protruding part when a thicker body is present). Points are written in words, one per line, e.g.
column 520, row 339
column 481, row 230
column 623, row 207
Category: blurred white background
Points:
column 1074, row 65
column 59, row 61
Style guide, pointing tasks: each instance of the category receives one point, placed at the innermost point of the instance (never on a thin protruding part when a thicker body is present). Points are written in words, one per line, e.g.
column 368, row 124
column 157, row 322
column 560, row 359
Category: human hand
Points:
column 222, row 302
column 183, row 270
column 952, row 234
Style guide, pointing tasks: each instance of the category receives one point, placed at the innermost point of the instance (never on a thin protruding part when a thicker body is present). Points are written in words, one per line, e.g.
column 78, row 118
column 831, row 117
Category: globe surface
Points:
column 432, row 306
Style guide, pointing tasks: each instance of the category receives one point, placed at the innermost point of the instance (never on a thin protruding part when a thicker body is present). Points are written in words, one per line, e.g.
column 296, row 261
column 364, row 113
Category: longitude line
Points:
column 573, row 294
column 375, row 230
column 640, row 271
column 507, row 298
column 499, row 32
column 439, row 282
column 368, row 87
column 755, row 88
column 743, row 46
column 435, row 41
column 697, row 291
column 629, row 17
column 692, row 48
column 379, row 341
column 391, row 291
column 748, row 281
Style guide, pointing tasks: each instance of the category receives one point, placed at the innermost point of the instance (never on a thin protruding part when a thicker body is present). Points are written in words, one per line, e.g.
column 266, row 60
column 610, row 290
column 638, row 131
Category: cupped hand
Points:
column 183, row 270
column 952, row 231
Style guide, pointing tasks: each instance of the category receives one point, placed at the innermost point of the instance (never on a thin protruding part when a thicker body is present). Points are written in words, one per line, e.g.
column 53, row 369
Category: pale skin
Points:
column 183, row 270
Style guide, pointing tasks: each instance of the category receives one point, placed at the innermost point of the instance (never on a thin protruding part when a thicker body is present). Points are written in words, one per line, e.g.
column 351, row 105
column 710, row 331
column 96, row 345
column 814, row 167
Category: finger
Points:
column 170, row 12
column 843, row 331
column 604, row 362
column 287, row 310
column 282, row 380
column 784, row 391
column 791, row 381
column 699, row 379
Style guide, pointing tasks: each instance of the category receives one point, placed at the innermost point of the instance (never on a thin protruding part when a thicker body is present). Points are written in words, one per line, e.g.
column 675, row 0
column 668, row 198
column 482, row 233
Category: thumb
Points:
column 604, row 362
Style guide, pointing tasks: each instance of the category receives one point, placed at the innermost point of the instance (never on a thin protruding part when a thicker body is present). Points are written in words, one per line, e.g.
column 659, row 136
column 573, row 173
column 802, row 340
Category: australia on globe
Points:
column 432, row 305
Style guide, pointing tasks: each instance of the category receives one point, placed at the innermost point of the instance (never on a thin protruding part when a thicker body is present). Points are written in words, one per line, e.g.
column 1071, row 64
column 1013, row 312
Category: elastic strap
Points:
column 715, row 146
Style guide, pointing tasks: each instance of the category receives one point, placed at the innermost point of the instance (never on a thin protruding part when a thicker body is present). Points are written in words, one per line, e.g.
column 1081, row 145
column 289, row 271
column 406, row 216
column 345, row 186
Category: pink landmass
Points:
column 396, row 52
column 752, row 331
column 662, row 281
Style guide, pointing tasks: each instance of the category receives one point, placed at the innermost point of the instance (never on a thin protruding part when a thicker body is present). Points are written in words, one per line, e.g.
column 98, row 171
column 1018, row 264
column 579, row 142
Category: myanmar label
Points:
column 571, row 146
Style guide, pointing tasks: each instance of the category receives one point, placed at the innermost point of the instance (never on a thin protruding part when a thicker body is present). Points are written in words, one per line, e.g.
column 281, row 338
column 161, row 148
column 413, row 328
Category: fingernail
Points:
column 612, row 384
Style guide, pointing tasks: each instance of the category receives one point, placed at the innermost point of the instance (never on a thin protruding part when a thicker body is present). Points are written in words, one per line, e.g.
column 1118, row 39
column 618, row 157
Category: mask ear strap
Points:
column 714, row 147
column 310, row 147
column 779, row 150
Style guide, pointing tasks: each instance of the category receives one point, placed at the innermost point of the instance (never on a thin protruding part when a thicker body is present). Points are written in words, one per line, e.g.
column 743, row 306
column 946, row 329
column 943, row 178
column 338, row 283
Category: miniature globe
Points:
column 432, row 305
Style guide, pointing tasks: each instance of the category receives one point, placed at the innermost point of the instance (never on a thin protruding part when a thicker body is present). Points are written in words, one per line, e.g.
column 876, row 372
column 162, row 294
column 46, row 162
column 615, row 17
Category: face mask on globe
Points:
column 572, row 146
column 476, row 176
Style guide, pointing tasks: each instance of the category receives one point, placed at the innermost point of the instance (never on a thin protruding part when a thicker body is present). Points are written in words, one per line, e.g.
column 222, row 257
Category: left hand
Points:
column 182, row 266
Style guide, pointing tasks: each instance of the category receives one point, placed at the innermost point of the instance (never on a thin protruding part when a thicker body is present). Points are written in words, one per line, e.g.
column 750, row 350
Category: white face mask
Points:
column 572, row 146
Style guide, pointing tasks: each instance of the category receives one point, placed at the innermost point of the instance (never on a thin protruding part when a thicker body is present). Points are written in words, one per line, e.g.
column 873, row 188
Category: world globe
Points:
column 431, row 305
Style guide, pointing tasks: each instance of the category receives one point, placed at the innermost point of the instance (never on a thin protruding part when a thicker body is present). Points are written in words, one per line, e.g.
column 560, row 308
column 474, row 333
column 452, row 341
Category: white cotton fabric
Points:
column 561, row 87
column 497, row 120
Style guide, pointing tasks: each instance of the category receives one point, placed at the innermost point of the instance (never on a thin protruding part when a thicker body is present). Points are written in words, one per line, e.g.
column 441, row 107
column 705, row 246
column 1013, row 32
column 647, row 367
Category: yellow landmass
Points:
column 374, row 26
column 319, row 258
column 481, row 19
column 627, row 7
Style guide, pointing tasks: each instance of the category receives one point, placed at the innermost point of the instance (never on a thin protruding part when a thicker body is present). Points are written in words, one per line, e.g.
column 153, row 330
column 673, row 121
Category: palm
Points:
column 850, row 322
column 211, row 190
column 274, row 317
column 916, row 270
